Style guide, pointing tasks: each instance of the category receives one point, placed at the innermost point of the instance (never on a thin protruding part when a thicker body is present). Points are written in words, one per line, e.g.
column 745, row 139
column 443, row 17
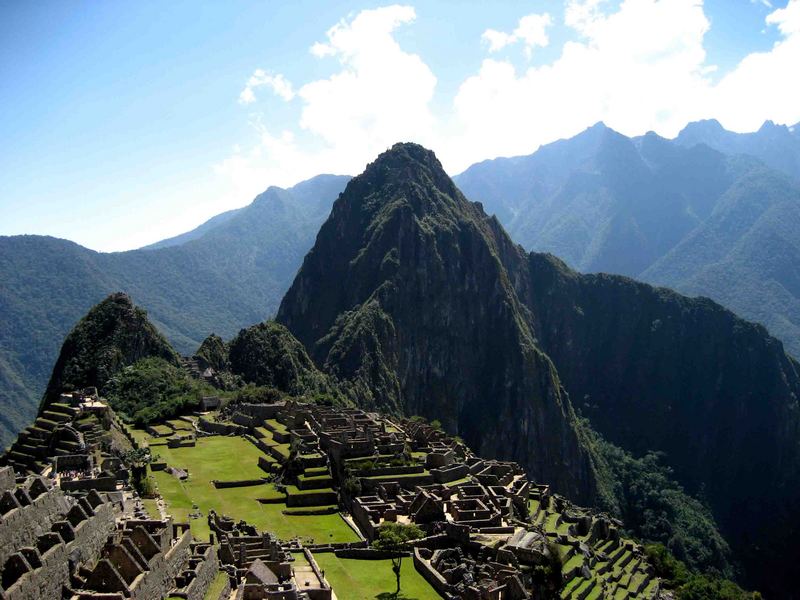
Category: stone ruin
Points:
column 56, row 545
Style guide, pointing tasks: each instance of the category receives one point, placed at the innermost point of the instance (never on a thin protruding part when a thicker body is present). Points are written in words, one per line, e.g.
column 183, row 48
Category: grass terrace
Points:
column 373, row 579
column 151, row 506
column 276, row 426
column 227, row 458
column 162, row 429
column 216, row 587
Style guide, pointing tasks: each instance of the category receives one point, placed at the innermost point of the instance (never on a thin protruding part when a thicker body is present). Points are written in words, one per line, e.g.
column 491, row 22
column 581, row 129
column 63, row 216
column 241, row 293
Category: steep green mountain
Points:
column 778, row 146
column 408, row 298
column 657, row 371
column 268, row 355
column 114, row 334
column 416, row 301
column 686, row 216
column 227, row 276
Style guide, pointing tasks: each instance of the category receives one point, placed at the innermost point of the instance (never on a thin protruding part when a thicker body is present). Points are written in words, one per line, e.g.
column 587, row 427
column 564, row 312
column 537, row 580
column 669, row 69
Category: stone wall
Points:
column 7, row 479
column 430, row 575
column 260, row 411
column 91, row 535
column 220, row 428
column 102, row 484
column 22, row 525
column 41, row 569
column 45, row 579
column 237, row 483
column 158, row 580
column 320, row 498
column 205, row 573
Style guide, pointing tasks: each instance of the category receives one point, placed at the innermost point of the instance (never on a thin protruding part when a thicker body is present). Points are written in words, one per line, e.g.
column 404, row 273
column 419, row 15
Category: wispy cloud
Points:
column 638, row 65
column 279, row 85
column 531, row 31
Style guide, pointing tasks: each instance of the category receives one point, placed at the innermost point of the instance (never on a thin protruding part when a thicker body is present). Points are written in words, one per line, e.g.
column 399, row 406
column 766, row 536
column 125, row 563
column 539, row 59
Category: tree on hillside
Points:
column 394, row 538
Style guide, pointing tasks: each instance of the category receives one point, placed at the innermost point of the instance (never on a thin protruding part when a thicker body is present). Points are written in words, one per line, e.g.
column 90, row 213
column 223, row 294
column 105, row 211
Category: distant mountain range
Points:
column 711, row 213
column 224, row 275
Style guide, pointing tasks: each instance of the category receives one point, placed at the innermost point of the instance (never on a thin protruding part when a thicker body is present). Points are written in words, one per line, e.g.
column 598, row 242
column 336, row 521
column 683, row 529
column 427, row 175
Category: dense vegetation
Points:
column 116, row 349
column 153, row 389
column 226, row 275
column 214, row 351
column 113, row 335
column 689, row 214
column 688, row 585
column 268, row 355
column 655, row 508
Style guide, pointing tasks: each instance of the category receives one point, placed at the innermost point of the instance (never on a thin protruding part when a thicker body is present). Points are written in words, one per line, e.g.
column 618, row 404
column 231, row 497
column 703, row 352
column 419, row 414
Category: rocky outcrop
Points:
column 408, row 299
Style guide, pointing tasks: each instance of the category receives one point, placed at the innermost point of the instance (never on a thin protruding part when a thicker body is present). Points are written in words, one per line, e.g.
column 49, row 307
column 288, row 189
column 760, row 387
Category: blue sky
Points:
column 124, row 123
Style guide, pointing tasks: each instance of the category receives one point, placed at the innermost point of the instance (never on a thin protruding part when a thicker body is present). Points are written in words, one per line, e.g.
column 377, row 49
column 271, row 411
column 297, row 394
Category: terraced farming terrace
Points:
column 281, row 468
column 297, row 500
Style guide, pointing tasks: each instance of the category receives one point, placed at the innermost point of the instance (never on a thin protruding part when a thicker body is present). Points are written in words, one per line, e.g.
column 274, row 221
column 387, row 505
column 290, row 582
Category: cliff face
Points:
column 654, row 370
column 112, row 335
column 408, row 298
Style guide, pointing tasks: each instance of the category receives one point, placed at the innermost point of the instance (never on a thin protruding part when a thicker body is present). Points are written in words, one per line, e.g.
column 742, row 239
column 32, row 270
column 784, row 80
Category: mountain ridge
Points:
column 640, row 207
column 47, row 284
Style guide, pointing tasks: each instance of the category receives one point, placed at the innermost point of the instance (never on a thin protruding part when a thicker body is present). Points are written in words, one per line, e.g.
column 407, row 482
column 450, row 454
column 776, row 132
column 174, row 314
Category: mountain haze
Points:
column 671, row 212
column 229, row 273
column 778, row 146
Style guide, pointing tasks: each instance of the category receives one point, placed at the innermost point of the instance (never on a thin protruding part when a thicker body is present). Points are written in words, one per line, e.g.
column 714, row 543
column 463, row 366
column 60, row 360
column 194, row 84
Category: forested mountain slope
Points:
column 233, row 273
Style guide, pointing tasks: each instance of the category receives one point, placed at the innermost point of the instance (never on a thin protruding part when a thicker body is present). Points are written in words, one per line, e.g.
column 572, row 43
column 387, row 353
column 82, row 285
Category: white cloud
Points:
column 764, row 85
column 638, row 68
column 531, row 30
column 638, row 65
column 280, row 86
column 378, row 95
column 787, row 19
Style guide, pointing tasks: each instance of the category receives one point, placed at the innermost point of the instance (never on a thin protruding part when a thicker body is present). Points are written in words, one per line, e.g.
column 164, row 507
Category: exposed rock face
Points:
column 408, row 298
column 654, row 370
column 112, row 335
column 418, row 302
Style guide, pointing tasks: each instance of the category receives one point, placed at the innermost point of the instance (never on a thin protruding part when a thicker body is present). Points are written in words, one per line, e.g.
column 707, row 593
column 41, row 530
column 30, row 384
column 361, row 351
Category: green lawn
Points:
column 140, row 435
column 216, row 457
column 277, row 426
column 216, row 587
column 152, row 508
column 370, row 579
column 235, row 458
column 162, row 429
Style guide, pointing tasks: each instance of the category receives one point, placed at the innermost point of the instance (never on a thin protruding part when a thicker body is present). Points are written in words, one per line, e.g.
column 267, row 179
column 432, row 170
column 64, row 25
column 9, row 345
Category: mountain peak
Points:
column 406, row 176
column 403, row 159
column 114, row 333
